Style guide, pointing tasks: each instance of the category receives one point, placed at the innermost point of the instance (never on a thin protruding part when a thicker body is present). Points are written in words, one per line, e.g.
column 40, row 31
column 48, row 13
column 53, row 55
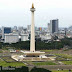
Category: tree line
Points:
column 40, row 45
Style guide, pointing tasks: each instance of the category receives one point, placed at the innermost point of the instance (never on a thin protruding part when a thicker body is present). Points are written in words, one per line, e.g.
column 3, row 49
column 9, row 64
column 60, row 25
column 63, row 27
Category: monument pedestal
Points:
column 33, row 54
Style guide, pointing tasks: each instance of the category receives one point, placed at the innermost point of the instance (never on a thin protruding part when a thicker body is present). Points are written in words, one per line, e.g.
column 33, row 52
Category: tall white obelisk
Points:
column 32, row 42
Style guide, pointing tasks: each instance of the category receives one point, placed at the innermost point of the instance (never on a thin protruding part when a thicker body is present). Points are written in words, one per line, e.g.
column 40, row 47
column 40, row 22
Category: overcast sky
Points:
column 17, row 12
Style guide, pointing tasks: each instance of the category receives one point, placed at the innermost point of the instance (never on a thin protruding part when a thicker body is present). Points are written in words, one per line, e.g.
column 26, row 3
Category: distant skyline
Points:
column 17, row 12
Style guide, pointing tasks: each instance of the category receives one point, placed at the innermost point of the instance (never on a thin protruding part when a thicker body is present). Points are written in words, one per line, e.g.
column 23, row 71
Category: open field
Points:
column 64, row 56
column 67, row 62
column 46, row 50
column 1, row 51
column 14, row 64
column 44, row 63
column 8, row 59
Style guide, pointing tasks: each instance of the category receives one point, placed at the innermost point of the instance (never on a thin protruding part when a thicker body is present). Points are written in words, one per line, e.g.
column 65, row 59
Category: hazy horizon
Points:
column 17, row 12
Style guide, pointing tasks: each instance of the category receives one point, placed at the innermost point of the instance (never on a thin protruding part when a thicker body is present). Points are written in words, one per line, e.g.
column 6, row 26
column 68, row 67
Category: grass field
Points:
column 61, row 71
column 67, row 62
column 1, row 51
column 44, row 63
column 7, row 59
column 46, row 50
column 65, row 56
column 14, row 64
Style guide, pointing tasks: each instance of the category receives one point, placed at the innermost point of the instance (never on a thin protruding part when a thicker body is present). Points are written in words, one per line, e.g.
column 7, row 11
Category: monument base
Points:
column 32, row 54
column 22, row 58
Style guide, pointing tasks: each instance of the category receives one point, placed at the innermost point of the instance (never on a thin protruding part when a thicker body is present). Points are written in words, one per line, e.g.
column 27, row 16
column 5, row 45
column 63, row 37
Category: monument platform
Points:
column 21, row 58
column 33, row 54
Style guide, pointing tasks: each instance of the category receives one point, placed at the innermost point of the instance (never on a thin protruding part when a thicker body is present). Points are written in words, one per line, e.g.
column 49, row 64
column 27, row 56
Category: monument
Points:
column 32, row 41
column 32, row 51
column 32, row 55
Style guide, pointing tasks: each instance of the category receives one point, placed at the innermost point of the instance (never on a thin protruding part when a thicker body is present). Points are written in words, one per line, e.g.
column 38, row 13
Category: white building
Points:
column 61, row 36
column 24, row 37
column 46, row 36
column 11, row 38
column 69, row 34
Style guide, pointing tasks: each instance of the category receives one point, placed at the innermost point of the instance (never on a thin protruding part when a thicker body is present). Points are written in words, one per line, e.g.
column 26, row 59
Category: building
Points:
column 24, row 37
column 11, row 38
column 53, row 26
column 20, row 29
column 63, row 32
column 40, row 28
column 36, row 29
column 61, row 36
column 69, row 34
column 48, row 27
column 46, row 36
column 5, row 30
column 29, row 28
column 15, row 28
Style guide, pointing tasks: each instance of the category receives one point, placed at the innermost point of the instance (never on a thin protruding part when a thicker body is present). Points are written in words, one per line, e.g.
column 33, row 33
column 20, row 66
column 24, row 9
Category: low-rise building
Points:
column 24, row 37
column 46, row 37
column 11, row 38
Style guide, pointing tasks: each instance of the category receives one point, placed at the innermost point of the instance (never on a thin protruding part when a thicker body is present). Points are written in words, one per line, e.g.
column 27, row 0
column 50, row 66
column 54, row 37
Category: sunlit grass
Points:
column 14, row 64
column 46, row 50
column 67, row 62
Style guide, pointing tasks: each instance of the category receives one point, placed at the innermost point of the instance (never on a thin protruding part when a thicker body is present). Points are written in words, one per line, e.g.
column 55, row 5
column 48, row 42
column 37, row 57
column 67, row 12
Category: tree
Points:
column 39, row 70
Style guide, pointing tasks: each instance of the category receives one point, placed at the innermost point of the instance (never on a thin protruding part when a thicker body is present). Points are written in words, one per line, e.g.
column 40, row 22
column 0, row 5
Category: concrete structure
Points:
column 15, row 28
column 48, row 27
column 46, row 36
column 11, row 38
column 61, row 36
column 40, row 28
column 32, row 42
column 32, row 52
column 69, row 34
column 29, row 28
column 20, row 28
column 62, row 33
column 24, row 37
column 5, row 30
column 53, row 26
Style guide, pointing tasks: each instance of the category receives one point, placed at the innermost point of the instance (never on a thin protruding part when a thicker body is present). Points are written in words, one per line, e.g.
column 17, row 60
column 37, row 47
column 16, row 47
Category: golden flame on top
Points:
column 32, row 5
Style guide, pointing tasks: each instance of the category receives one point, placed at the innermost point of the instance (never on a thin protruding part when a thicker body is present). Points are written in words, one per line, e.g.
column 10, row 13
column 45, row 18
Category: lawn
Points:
column 1, row 51
column 8, row 59
column 46, row 50
column 65, row 56
column 61, row 71
column 67, row 62
column 14, row 64
column 44, row 63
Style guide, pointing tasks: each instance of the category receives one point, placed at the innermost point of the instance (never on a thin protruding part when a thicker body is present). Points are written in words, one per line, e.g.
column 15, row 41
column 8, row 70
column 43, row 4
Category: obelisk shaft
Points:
column 32, row 42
